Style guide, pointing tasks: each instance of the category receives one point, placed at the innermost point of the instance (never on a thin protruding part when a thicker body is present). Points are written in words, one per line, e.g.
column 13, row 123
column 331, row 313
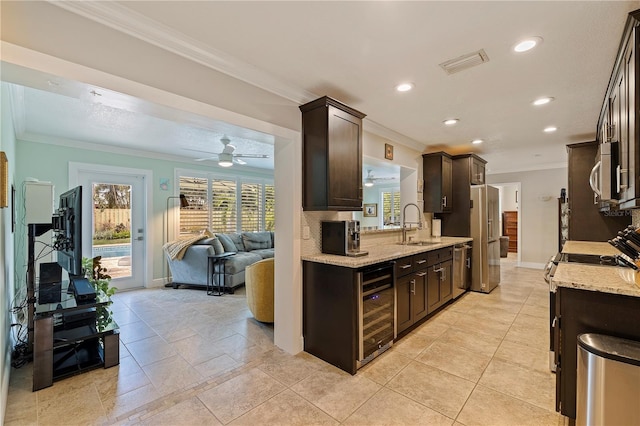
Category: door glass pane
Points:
column 111, row 237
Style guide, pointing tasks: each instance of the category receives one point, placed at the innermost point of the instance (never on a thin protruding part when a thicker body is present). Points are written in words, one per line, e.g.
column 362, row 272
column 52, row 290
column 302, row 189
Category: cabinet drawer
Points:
column 420, row 261
column 404, row 266
column 440, row 255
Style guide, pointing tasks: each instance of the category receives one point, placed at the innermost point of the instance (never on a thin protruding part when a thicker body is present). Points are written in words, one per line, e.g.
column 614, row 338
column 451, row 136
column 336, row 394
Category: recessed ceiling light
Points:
column 550, row 129
column 451, row 121
column 542, row 101
column 404, row 87
column 527, row 44
column 477, row 141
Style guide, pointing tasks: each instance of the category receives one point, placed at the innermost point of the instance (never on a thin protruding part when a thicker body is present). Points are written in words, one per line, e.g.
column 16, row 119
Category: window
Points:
column 390, row 206
column 227, row 204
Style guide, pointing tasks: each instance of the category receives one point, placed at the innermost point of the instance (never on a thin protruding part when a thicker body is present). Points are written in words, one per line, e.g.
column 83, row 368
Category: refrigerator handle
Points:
column 490, row 234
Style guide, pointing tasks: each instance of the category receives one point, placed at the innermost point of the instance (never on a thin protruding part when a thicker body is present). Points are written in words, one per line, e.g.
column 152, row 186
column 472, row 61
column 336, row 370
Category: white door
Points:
column 113, row 224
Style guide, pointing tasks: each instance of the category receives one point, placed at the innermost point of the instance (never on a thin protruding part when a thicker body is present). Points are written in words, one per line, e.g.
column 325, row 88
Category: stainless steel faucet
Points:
column 404, row 221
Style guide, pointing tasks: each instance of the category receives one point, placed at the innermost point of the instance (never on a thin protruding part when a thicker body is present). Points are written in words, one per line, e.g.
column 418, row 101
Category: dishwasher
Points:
column 461, row 269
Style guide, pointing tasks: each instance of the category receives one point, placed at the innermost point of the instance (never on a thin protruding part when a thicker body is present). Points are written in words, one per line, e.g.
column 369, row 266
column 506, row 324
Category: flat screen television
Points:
column 67, row 228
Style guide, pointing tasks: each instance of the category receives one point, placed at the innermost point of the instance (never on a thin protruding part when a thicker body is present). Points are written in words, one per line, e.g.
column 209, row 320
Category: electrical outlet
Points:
column 305, row 233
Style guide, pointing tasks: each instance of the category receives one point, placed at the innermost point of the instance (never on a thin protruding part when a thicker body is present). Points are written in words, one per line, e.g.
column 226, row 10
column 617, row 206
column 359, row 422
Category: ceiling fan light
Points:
column 225, row 160
column 368, row 182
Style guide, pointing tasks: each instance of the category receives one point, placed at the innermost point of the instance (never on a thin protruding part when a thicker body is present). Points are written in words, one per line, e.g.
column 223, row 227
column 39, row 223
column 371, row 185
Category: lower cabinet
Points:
column 423, row 284
column 439, row 285
column 411, row 299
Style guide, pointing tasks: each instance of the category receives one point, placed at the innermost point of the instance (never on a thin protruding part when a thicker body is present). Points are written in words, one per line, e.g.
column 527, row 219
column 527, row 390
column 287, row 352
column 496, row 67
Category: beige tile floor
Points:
column 189, row 359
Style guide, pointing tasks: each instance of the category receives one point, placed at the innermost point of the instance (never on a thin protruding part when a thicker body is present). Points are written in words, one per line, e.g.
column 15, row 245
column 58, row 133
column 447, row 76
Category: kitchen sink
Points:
column 418, row 243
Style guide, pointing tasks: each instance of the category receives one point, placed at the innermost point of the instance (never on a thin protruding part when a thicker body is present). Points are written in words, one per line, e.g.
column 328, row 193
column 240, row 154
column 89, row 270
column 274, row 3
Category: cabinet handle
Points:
column 420, row 262
column 468, row 263
column 413, row 287
column 440, row 269
column 443, row 275
column 444, row 201
column 405, row 266
column 421, row 274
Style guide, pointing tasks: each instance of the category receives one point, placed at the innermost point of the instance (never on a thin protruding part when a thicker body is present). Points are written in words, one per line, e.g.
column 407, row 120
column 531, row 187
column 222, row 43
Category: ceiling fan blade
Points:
column 206, row 158
column 251, row 155
column 238, row 161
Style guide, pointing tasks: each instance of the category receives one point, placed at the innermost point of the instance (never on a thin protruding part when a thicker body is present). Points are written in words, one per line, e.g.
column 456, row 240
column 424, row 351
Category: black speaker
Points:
column 49, row 288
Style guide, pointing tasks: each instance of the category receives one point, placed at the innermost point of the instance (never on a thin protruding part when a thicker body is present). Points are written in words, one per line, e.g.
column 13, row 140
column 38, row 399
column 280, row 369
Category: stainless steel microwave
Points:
column 605, row 175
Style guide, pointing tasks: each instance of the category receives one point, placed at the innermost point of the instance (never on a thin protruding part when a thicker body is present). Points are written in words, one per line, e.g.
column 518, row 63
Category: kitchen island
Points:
column 355, row 307
column 590, row 299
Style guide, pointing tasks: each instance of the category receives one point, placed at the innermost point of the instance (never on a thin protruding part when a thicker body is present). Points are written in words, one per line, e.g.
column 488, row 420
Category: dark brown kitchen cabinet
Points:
column 468, row 169
column 439, row 284
column 586, row 221
column 584, row 311
column 411, row 287
column 477, row 170
column 331, row 156
column 617, row 121
column 437, row 173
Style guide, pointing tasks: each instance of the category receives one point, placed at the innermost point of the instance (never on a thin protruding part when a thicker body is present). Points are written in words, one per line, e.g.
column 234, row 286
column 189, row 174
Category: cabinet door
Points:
column 437, row 169
column 446, row 281
column 627, row 131
column 344, row 159
column 447, row 191
column 433, row 288
column 477, row 172
column 404, row 318
column 419, row 302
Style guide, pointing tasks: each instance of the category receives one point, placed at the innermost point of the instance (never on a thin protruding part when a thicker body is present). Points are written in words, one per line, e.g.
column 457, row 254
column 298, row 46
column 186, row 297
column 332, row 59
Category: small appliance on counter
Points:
column 342, row 237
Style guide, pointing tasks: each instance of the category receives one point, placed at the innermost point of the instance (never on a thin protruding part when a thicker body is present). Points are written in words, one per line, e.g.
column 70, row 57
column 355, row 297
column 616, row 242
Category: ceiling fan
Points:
column 371, row 179
column 227, row 157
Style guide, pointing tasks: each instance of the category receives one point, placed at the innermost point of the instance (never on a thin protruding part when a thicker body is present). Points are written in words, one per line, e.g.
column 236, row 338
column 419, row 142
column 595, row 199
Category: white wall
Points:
column 538, row 204
column 7, row 290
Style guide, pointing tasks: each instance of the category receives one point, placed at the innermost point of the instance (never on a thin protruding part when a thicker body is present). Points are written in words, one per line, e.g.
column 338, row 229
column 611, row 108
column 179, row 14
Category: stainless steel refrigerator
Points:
column 485, row 230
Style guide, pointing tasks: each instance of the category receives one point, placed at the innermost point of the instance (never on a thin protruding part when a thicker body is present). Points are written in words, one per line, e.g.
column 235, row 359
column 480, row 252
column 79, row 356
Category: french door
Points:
column 113, row 222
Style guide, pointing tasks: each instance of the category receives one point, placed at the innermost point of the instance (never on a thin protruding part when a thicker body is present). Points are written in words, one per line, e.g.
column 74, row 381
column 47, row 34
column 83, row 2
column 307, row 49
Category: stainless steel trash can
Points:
column 608, row 382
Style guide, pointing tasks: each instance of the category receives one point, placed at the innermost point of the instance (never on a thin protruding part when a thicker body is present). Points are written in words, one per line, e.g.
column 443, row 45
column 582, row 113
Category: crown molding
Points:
column 125, row 20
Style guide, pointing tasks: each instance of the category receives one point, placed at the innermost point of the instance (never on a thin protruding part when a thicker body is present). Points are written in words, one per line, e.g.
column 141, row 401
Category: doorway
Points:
column 510, row 219
column 114, row 221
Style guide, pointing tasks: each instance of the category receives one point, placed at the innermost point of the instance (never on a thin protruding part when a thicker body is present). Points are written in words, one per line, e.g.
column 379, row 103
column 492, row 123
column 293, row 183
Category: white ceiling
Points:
column 357, row 52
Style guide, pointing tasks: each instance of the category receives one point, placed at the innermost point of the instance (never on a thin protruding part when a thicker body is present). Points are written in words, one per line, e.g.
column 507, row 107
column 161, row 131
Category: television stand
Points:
column 72, row 337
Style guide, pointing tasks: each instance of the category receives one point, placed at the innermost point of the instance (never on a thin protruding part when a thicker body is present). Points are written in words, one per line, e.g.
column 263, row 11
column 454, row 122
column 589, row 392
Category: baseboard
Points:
column 157, row 283
column 531, row 265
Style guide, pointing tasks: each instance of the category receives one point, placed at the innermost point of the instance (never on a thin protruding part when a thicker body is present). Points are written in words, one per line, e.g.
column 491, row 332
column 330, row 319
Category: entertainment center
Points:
column 70, row 327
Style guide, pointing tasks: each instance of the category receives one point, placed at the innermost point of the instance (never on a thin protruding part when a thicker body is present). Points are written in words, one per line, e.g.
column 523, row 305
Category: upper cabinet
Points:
column 477, row 165
column 468, row 169
column 437, row 174
column 331, row 156
column 617, row 123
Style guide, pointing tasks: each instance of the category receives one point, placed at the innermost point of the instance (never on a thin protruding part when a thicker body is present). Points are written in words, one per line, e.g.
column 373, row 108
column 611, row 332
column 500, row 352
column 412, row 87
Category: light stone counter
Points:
column 605, row 279
column 589, row 247
column 384, row 252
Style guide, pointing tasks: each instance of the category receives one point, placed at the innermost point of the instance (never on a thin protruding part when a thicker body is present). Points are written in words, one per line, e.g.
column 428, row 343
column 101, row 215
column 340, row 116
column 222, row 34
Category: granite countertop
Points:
column 589, row 247
column 384, row 252
column 606, row 279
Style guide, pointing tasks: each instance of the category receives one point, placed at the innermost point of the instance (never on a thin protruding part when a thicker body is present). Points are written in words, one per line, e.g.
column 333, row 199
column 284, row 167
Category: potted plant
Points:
column 97, row 275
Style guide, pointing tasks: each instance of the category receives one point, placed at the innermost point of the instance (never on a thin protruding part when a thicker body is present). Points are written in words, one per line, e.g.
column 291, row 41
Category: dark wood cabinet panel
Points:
column 477, row 170
column 329, row 314
column 582, row 311
column 467, row 170
column 586, row 221
column 331, row 156
column 437, row 171
column 404, row 299
column 446, row 282
column 617, row 121
column 420, row 306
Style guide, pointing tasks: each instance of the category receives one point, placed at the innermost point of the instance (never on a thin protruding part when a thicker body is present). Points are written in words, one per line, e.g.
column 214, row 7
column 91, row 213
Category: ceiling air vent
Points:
column 464, row 62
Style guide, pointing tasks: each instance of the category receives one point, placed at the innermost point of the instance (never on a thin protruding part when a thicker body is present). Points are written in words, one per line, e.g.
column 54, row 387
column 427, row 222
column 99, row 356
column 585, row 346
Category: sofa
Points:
column 250, row 247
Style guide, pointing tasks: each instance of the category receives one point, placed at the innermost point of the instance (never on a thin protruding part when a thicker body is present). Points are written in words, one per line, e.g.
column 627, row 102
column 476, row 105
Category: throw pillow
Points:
column 217, row 246
column 227, row 244
column 208, row 233
column 256, row 240
column 237, row 241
